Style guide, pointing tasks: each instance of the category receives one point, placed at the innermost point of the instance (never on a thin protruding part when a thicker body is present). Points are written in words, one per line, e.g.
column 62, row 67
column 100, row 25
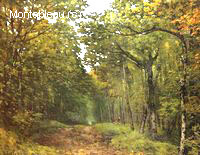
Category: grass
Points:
column 110, row 129
column 11, row 144
column 124, row 138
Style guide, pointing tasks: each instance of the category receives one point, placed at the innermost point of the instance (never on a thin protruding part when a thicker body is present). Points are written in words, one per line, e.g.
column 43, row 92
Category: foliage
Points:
column 41, row 72
column 25, row 120
column 145, row 61
column 135, row 32
column 8, row 142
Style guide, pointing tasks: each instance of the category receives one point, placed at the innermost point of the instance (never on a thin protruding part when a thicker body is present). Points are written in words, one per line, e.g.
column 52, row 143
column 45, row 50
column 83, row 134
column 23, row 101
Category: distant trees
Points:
column 40, row 71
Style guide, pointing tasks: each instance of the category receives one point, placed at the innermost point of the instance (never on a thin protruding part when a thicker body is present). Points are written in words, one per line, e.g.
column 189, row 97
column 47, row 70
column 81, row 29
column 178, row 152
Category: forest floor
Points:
column 51, row 137
column 84, row 140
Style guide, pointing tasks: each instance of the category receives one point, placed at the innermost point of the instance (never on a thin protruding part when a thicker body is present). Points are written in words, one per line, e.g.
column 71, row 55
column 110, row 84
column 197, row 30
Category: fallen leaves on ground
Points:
column 79, row 141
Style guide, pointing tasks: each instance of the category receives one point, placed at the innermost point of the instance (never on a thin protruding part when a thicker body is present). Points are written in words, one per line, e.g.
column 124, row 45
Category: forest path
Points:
column 79, row 141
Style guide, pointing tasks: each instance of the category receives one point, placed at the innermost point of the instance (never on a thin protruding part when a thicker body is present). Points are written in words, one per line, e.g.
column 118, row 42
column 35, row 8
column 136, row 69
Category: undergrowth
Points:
column 13, row 144
column 124, row 138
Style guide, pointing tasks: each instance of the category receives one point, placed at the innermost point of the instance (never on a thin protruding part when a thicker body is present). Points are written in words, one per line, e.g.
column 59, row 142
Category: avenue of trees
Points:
column 146, row 55
column 144, row 58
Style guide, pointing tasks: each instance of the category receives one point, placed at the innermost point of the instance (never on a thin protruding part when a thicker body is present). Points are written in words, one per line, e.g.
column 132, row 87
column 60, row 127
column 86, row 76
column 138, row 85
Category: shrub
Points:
column 24, row 120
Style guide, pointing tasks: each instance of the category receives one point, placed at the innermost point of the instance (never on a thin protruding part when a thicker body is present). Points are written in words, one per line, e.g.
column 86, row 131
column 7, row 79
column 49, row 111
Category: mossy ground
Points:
column 124, row 138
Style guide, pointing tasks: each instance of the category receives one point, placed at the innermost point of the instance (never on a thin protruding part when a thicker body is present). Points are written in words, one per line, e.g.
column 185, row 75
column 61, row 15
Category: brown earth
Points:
column 80, row 141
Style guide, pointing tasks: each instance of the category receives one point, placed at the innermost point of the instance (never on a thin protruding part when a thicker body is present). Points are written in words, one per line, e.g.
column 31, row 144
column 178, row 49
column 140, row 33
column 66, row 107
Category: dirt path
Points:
column 80, row 141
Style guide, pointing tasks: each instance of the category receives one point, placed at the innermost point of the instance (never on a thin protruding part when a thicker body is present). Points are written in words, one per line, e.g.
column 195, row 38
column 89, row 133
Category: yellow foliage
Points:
column 190, row 20
column 93, row 74
column 157, row 1
column 167, row 45
column 7, row 142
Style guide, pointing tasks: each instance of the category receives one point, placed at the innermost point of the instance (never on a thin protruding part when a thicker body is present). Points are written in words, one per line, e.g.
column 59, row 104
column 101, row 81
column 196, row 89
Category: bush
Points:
column 25, row 120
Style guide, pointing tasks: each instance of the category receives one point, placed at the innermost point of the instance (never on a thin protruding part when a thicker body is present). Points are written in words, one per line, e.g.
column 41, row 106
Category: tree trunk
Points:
column 113, row 112
column 153, row 124
column 158, row 120
column 145, row 112
column 101, row 115
column 126, row 95
column 109, row 113
column 183, row 94
column 20, row 87
column 163, row 124
column 151, row 96
column 144, row 118
column 130, row 115
column 122, row 120
column 183, row 120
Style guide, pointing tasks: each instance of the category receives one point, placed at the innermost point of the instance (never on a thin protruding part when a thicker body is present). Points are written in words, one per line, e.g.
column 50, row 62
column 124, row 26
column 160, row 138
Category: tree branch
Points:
column 153, row 29
column 137, row 62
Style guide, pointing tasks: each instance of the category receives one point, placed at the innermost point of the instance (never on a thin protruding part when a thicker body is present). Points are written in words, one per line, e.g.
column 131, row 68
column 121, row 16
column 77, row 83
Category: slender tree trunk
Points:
column 122, row 119
column 127, row 99
column 101, row 115
column 183, row 120
column 144, row 118
column 137, row 118
column 20, row 87
column 163, row 123
column 157, row 98
column 122, row 106
column 153, row 124
column 130, row 115
column 113, row 112
column 149, row 120
column 183, row 131
column 109, row 113
column 61, row 103
column 183, row 95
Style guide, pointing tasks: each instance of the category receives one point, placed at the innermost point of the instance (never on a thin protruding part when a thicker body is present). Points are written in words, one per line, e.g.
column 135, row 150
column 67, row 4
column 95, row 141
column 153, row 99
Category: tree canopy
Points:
column 144, row 60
